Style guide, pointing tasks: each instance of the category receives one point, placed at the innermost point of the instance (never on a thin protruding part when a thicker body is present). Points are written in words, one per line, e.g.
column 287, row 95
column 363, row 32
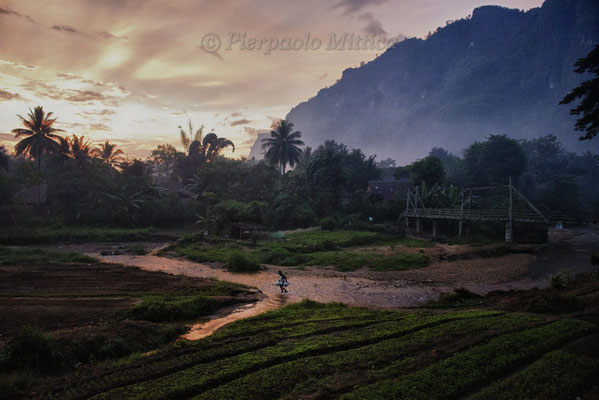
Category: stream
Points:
column 364, row 289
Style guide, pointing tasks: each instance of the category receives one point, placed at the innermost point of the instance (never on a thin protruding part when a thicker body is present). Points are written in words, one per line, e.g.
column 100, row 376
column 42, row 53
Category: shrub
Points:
column 561, row 280
column 554, row 303
column 399, row 262
column 165, row 309
column 31, row 349
column 240, row 263
column 15, row 385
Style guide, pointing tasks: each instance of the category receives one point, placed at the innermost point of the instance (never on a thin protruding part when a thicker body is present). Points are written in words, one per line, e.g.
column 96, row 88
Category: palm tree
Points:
column 207, row 149
column 190, row 136
column 64, row 149
column 108, row 153
column 80, row 148
column 282, row 145
column 41, row 136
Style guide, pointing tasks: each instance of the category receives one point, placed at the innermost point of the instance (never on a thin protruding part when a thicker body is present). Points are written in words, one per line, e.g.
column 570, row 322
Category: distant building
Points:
column 389, row 187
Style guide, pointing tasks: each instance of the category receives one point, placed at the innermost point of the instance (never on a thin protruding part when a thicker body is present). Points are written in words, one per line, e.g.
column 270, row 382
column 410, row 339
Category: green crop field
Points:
column 321, row 351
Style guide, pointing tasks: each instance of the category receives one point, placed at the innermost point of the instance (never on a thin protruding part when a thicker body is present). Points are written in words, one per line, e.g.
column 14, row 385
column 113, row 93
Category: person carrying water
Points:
column 283, row 282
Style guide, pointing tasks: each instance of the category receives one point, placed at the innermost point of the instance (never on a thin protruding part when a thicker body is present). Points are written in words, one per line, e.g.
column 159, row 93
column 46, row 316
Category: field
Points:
column 343, row 250
column 320, row 351
column 106, row 331
column 60, row 310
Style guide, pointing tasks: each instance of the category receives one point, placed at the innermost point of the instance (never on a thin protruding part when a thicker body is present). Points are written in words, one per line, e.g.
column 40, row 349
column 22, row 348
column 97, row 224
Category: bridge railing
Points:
column 499, row 215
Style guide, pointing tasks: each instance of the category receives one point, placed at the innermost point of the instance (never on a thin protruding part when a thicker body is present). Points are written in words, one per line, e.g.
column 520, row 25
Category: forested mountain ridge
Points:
column 500, row 71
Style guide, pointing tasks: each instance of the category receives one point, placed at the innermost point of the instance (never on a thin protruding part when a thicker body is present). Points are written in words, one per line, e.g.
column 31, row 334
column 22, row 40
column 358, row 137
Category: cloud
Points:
column 99, row 127
column 373, row 26
column 355, row 6
column 8, row 11
column 17, row 65
column 240, row 122
column 68, row 76
column 4, row 95
column 253, row 134
column 109, row 36
column 85, row 95
column 104, row 113
column 65, row 29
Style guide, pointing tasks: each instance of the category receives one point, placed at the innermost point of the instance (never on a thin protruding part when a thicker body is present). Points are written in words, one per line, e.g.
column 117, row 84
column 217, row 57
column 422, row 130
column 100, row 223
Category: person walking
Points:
column 283, row 282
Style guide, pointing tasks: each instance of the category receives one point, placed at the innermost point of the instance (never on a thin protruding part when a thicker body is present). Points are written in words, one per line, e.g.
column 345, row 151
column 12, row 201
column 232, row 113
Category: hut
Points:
column 247, row 229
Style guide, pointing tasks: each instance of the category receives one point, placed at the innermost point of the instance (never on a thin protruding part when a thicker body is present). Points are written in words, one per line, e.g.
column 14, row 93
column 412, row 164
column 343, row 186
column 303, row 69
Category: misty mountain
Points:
column 499, row 71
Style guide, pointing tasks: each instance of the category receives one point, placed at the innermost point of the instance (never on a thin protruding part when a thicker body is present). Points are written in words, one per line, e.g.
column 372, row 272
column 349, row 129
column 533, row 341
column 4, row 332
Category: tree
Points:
column 40, row 135
column 81, row 148
column 3, row 158
column 282, row 147
column 190, row 136
column 164, row 159
column 494, row 161
column 108, row 153
column 64, row 150
column 428, row 170
column 208, row 148
column 588, row 91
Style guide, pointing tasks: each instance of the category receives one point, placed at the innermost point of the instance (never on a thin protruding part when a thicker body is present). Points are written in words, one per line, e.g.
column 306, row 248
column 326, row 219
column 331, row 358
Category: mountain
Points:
column 499, row 71
column 256, row 151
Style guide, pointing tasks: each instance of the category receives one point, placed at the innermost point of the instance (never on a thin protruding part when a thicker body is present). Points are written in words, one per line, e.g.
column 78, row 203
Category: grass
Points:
column 538, row 381
column 73, row 234
column 136, row 249
column 399, row 262
column 319, row 248
column 455, row 376
column 168, row 309
column 240, row 263
column 24, row 255
column 543, row 301
column 34, row 351
column 330, row 350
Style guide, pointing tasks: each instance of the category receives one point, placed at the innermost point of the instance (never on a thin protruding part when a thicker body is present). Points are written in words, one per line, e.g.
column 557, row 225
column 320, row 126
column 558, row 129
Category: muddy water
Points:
column 312, row 283
column 572, row 254
column 203, row 329
column 387, row 290
column 304, row 284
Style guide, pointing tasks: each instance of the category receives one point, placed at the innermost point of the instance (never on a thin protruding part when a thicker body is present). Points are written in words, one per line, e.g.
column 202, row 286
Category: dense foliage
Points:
column 328, row 186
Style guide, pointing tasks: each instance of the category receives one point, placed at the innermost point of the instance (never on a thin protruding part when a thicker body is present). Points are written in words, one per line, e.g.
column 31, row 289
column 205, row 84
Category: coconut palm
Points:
column 282, row 147
column 81, row 148
column 40, row 135
column 108, row 153
column 64, row 149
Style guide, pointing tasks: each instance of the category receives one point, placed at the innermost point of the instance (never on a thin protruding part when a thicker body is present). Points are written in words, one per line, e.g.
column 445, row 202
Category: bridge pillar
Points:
column 418, row 225
column 434, row 227
column 508, row 232
column 460, row 230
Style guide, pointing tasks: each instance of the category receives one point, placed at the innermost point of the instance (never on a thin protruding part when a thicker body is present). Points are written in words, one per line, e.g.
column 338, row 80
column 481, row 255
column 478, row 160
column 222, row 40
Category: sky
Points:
column 132, row 71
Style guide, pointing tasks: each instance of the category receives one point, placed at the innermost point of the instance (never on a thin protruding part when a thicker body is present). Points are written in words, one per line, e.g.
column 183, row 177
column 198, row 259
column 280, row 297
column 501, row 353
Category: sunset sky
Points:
column 125, row 70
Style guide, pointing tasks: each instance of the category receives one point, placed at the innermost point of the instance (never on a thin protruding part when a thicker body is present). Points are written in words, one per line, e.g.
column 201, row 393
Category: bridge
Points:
column 416, row 209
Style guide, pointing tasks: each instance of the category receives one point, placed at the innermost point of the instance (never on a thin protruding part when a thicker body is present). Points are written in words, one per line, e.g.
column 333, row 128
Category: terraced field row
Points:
column 332, row 351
